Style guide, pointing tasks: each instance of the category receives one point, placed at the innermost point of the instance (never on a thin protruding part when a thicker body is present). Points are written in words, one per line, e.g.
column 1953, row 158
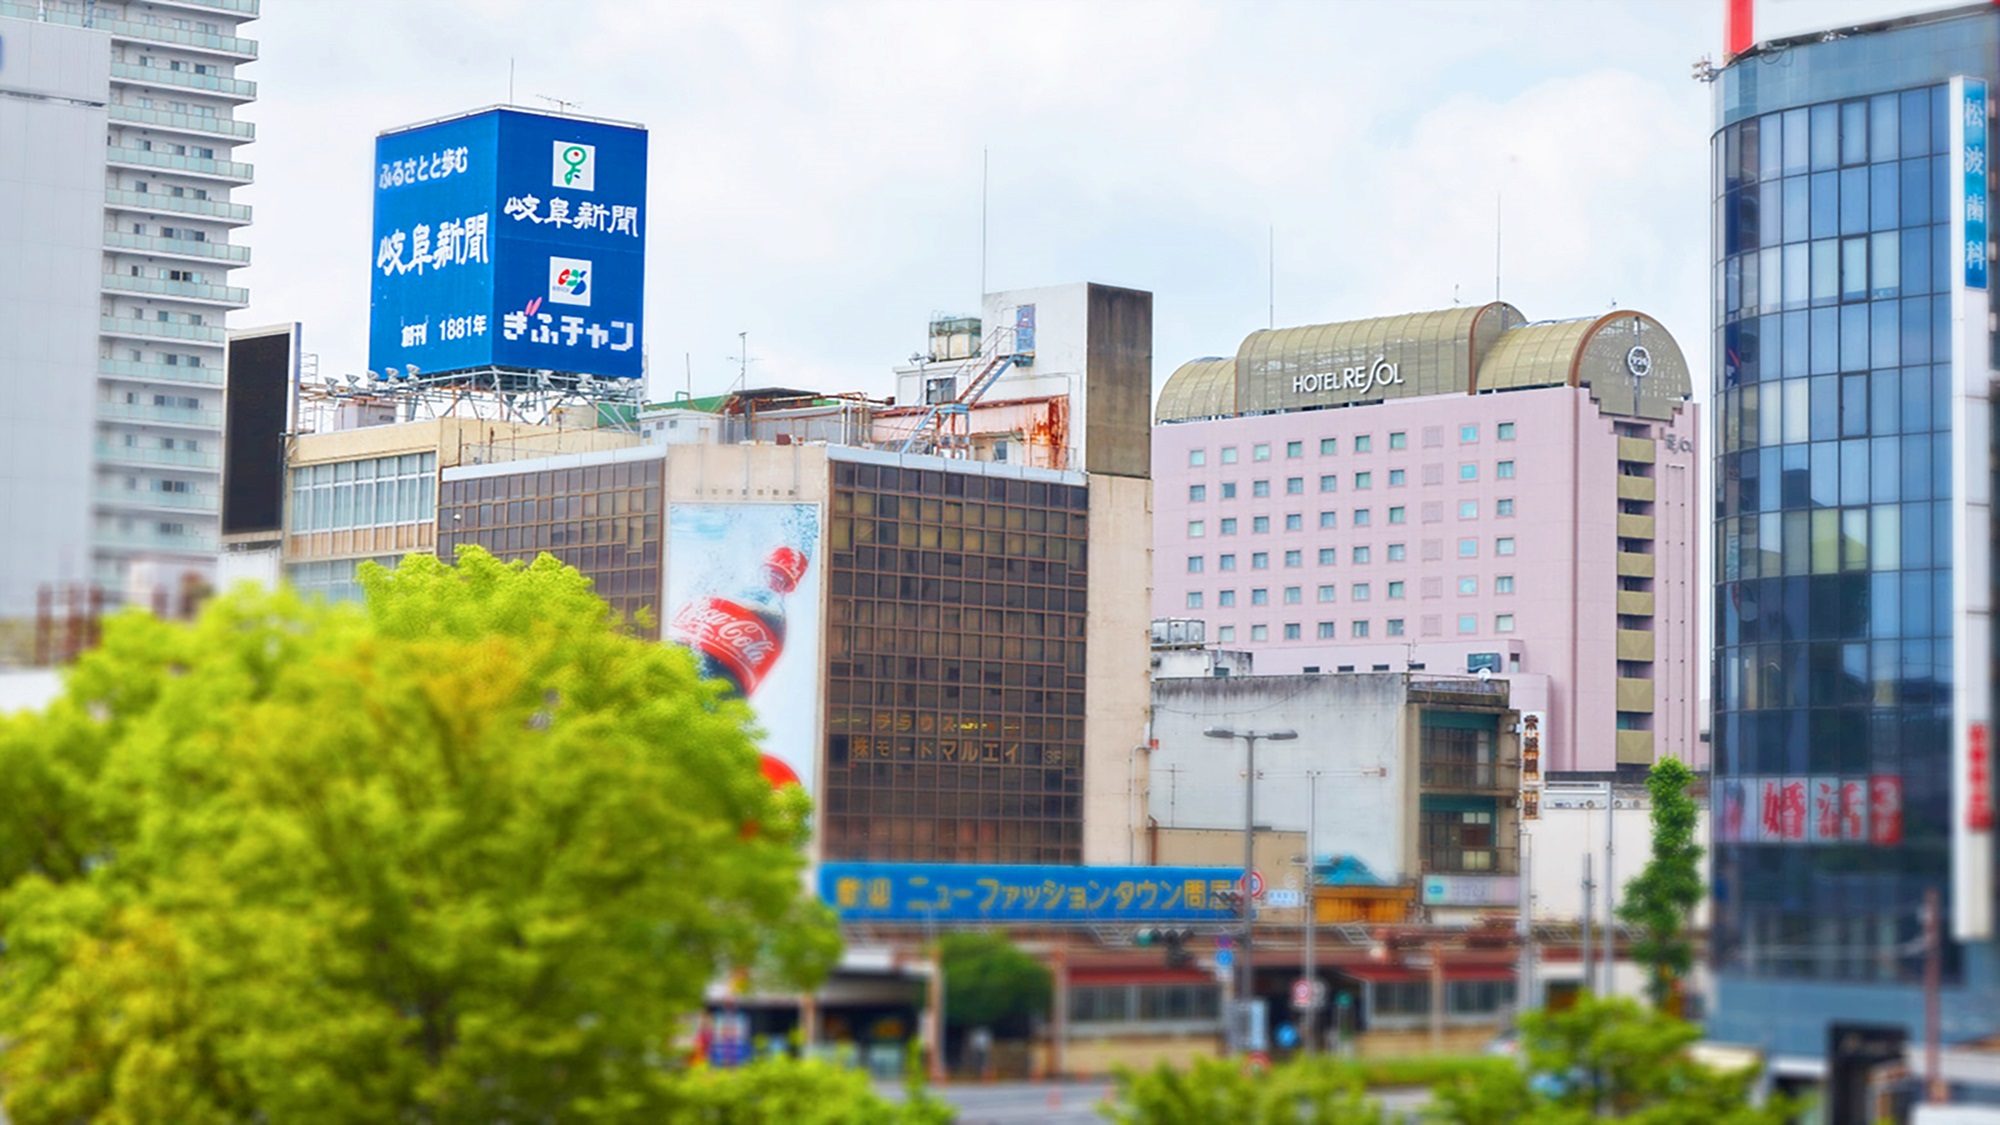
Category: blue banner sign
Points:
column 509, row 239
column 1026, row 893
column 1973, row 110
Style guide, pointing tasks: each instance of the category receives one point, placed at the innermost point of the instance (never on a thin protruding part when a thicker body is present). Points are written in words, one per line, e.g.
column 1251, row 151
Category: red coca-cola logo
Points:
column 732, row 634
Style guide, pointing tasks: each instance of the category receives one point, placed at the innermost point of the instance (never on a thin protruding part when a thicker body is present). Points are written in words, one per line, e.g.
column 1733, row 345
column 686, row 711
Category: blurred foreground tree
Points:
column 1606, row 1059
column 465, row 853
column 1660, row 901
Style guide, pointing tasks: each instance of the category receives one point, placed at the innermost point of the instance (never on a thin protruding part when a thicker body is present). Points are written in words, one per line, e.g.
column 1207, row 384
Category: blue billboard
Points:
column 509, row 239
column 1026, row 893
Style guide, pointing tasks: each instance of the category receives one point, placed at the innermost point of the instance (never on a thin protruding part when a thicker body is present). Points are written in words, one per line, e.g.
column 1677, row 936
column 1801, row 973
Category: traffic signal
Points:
column 1175, row 941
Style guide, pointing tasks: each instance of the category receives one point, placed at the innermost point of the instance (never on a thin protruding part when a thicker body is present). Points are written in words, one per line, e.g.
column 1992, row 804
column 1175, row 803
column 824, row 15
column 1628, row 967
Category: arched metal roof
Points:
column 1202, row 388
column 1534, row 355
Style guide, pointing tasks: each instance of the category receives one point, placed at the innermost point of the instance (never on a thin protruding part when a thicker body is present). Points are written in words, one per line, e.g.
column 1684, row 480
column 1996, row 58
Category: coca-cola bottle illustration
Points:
column 737, row 637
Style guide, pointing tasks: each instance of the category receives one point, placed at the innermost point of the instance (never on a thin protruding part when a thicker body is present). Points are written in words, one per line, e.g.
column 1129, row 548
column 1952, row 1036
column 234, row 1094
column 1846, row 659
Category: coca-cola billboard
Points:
column 743, row 594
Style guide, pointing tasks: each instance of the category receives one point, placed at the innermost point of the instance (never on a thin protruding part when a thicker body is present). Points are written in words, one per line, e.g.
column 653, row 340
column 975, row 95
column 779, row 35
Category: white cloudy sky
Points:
column 816, row 166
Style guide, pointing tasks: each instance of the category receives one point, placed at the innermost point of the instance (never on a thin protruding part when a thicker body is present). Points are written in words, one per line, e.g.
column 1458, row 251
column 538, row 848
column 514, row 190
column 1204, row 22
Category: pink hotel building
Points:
column 1449, row 491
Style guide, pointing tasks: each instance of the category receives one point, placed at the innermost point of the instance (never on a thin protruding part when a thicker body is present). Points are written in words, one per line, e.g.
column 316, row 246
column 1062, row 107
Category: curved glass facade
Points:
column 1833, row 523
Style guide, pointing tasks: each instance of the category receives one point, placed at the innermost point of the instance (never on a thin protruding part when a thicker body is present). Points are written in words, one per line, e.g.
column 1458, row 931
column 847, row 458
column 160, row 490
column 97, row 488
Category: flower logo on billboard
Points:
column 575, row 166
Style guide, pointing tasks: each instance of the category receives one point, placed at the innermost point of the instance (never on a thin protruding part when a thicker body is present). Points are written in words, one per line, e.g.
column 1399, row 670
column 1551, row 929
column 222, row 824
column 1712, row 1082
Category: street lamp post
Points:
column 1245, row 973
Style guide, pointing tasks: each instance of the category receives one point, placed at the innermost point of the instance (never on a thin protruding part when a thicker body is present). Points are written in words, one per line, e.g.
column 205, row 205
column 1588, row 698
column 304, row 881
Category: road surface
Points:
column 1077, row 1103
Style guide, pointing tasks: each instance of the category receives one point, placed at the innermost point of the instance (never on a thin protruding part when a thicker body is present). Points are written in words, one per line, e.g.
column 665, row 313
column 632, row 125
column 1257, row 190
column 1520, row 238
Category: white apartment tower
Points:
column 163, row 263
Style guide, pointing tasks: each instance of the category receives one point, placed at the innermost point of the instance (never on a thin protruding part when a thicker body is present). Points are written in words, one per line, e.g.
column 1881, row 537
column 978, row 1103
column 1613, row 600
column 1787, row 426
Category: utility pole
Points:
column 1246, row 979
column 1935, row 1089
column 1588, row 970
column 1610, row 886
column 1309, row 971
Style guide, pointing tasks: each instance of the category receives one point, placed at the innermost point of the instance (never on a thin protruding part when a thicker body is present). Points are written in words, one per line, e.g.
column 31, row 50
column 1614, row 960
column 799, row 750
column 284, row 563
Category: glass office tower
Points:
column 1852, row 661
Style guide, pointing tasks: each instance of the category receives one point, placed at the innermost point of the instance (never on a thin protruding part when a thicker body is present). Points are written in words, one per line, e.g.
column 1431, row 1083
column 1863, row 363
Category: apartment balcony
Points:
column 1629, row 487
column 160, row 329
column 153, row 455
column 242, row 50
column 124, row 156
column 1635, row 646
column 221, row 252
column 234, row 214
column 202, row 503
column 154, row 542
column 198, row 124
column 1633, row 564
column 1634, row 527
column 233, row 296
column 1635, row 748
column 152, row 415
column 161, row 372
column 244, row 8
column 1642, row 451
column 1635, row 695
column 164, row 78
column 1635, row 603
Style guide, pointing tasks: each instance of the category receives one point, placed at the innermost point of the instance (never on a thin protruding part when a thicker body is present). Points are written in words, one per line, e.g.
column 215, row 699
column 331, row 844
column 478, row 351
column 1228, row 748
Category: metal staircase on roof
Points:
column 996, row 354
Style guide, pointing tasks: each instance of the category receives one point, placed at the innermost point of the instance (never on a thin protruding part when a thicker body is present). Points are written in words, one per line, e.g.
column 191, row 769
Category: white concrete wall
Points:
column 54, row 81
column 1346, row 725
column 1562, row 838
column 1117, row 661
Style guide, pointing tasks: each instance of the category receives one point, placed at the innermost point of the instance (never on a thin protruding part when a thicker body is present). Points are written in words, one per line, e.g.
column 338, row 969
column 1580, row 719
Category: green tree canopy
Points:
column 1661, row 900
column 990, row 982
column 464, row 853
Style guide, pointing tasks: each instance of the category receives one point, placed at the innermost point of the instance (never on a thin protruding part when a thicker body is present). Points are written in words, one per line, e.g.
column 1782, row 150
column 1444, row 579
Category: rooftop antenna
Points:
column 562, row 107
column 985, row 163
column 688, row 358
column 1496, row 245
column 510, row 80
column 1271, row 257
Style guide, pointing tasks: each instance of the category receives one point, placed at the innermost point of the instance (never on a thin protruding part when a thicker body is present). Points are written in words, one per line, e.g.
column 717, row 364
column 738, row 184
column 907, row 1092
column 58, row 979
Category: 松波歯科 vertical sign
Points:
column 512, row 239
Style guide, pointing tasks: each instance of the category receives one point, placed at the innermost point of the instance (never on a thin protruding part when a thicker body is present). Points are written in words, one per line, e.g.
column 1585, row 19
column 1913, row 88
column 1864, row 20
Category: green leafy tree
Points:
column 990, row 982
column 1661, row 900
column 464, row 853
column 1605, row 1059
column 1221, row 1092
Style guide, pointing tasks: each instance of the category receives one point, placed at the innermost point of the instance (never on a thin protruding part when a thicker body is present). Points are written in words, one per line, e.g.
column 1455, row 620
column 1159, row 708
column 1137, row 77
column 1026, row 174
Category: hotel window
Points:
column 1226, row 599
column 1504, row 432
column 1326, row 593
column 1329, row 483
column 1399, row 439
column 1503, row 507
column 1194, row 599
column 1363, row 443
column 1261, row 451
column 1358, row 592
column 1504, row 545
column 1260, row 596
column 1295, row 449
column 1229, row 455
column 1468, row 623
column 1394, row 626
column 1468, row 586
column 1260, row 632
column 1327, row 556
column 1194, row 564
column 1328, row 520
column 1226, row 634
column 1503, row 622
column 1260, row 525
column 1295, row 522
column 1468, row 471
column 1197, row 529
column 1229, row 490
column 1295, row 486
column 1327, row 446
column 1358, row 629
column 1398, row 514
column 1467, row 435
column 1291, row 632
column 1395, row 591
column 1503, row 584
column 1228, row 525
column 1294, row 558
column 1361, row 555
column 1364, row 480
column 1326, row 631
column 1197, row 458
column 1294, row 595
column 1197, row 493
column 1398, row 552
column 1468, row 548
column 1504, row 470
column 1468, row 509
column 1362, row 517
column 1397, row 477
column 1260, row 488
column 1260, row 560
column 1225, row 562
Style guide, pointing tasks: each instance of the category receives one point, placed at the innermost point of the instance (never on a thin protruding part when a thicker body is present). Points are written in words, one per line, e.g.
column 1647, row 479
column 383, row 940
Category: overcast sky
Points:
column 815, row 175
